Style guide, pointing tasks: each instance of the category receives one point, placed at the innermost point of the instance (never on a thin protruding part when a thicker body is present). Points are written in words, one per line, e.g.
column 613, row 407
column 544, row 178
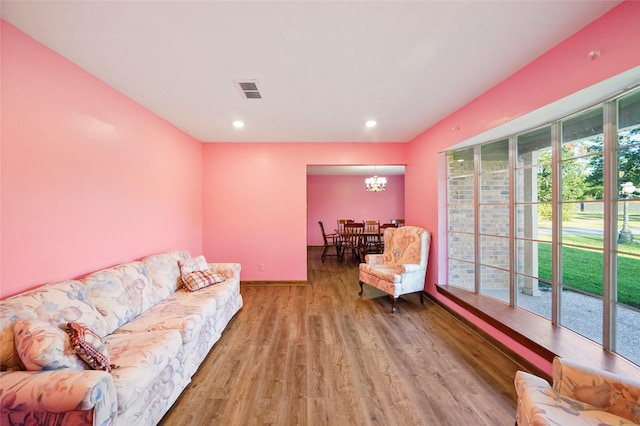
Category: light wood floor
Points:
column 320, row 354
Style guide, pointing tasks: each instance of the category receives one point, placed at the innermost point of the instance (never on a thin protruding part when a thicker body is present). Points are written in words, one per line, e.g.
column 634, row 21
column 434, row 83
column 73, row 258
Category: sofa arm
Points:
column 610, row 392
column 541, row 405
column 26, row 396
column 227, row 270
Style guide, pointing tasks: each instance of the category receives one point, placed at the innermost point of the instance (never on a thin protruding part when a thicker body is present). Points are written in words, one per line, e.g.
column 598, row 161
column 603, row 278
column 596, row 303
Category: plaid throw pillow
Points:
column 200, row 279
column 89, row 346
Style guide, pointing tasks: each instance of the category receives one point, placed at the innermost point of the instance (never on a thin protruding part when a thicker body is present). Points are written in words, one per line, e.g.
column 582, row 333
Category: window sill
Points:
column 537, row 333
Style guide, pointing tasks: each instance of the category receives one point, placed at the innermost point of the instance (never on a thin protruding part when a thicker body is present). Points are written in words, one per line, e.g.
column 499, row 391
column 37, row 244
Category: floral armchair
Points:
column 402, row 267
column 580, row 395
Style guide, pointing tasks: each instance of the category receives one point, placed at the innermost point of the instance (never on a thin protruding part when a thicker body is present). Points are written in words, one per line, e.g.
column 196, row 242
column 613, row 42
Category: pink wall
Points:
column 255, row 201
column 563, row 70
column 89, row 178
column 330, row 198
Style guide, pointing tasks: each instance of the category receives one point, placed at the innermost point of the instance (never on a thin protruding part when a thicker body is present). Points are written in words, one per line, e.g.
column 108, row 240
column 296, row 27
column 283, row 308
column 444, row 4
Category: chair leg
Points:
column 324, row 253
column 361, row 288
column 422, row 297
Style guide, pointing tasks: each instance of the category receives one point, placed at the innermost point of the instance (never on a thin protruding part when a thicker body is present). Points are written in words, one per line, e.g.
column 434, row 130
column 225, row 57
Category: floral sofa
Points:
column 139, row 337
column 580, row 395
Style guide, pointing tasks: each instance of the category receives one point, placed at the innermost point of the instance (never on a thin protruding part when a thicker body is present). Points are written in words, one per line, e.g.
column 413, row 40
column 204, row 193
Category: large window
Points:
column 549, row 221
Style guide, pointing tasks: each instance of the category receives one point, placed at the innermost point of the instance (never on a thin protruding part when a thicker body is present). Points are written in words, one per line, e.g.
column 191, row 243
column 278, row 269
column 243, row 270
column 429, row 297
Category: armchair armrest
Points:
column 412, row 267
column 610, row 392
column 227, row 270
column 61, row 391
column 374, row 259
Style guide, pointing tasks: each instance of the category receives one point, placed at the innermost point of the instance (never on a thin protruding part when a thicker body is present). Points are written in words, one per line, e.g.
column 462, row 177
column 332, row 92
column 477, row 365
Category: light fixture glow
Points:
column 375, row 184
column 238, row 124
column 370, row 123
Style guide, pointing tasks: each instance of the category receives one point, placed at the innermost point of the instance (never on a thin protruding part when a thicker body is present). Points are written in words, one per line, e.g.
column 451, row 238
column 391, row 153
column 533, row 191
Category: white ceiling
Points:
column 323, row 67
column 355, row 170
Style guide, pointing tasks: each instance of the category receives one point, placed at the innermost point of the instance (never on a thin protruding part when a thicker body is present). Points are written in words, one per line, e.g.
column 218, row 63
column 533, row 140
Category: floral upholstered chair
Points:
column 402, row 267
column 580, row 395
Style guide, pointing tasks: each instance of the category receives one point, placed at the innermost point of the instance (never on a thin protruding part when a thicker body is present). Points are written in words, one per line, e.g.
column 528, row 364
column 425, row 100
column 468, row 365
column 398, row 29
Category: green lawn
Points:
column 582, row 269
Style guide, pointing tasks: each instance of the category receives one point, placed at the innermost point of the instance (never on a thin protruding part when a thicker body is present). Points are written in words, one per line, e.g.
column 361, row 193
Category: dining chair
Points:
column 330, row 241
column 382, row 228
column 352, row 240
column 341, row 223
column 372, row 236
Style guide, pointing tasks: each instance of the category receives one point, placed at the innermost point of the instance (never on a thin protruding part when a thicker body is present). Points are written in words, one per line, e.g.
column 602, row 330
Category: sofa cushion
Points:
column 55, row 303
column 89, row 346
column 121, row 293
column 183, row 311
column 164, row 271
column 43, row 346
column 196, row 280
column 140, row 357
column 198, row 263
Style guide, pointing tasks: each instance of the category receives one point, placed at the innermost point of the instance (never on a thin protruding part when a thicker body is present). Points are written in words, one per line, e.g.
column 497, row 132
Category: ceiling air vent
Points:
column 249, row 89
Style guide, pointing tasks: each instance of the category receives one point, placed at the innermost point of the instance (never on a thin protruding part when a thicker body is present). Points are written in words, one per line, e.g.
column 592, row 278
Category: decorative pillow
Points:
column 89, row 346
column 42, row 346
column 199, row 279
column 193, row 264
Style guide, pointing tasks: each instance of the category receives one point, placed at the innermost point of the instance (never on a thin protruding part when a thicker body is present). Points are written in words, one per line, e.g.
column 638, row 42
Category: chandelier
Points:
column 375, row 183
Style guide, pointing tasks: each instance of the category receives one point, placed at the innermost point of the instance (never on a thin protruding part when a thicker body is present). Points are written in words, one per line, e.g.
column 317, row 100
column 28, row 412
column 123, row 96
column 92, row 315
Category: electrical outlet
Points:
column 260, row 266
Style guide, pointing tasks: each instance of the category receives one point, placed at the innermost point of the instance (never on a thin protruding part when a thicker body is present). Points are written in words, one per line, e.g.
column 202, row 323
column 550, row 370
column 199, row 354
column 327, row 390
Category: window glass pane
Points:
column 582, row 126
column 534, row 147
column 462, row 246
column 461, row 218
column 582, row 269
column 494, row 187
column 574, row 179
column 460, row 162
column 630, row 136
column 628, row 283
column 627, row 338
column 462, row 274
column 533, row 221
column 495, row 283
column 583, row 314
column 461, row 221
column 533, row 258
column 629, row 172
column 461, row 190
column 494, row 251
column 494, row 156
column 581, row 298
column 534, row 295
column 494, row 219
column 629, row 113
column 629, row 226
column 584, row 226
column 533, row 184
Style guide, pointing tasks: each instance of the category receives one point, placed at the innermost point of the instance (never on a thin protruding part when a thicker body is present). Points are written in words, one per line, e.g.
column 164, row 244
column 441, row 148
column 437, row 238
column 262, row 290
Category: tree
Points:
column 573, row 182
column 628, row 162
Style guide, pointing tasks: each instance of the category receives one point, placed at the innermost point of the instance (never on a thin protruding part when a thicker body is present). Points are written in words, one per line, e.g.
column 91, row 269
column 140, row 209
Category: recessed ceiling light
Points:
column 238, row 124
column 370, row 123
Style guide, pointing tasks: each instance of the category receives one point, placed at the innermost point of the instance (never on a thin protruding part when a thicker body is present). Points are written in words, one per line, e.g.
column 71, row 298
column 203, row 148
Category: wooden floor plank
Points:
column 320, row 354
